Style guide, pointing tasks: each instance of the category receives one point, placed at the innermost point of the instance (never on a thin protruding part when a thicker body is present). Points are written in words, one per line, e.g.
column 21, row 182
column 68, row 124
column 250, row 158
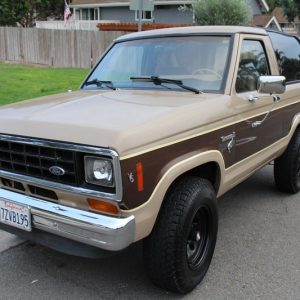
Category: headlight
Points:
column 99, row 171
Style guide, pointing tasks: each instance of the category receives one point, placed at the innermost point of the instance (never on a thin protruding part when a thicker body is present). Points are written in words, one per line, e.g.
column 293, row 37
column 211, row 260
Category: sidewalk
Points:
column 8, row 240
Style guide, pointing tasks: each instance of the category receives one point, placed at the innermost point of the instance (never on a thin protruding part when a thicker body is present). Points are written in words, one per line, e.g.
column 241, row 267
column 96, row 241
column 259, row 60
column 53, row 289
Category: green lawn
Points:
column 19, row 82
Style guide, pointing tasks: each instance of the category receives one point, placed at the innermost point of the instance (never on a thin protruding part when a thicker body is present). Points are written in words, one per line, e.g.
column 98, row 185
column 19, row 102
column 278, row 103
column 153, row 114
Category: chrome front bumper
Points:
column 104, row 232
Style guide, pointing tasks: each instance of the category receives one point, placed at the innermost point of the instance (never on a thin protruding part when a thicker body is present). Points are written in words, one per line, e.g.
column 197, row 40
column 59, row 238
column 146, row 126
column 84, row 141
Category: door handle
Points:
column 252, row 98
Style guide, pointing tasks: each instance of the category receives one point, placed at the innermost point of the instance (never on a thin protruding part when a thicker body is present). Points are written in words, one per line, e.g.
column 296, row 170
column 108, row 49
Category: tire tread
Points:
column 285, row 166
column 159, row 256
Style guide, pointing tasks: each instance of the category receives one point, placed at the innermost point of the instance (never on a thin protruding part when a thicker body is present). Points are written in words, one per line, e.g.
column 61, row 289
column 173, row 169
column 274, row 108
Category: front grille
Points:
column 29, row 160
column 17, row 186
column 12, row 184
column 37, row 191
column 35, row 161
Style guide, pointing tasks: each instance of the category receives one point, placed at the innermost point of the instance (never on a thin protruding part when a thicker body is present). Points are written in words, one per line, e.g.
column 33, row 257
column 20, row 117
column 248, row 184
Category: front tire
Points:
column 179, row 250
column 287, row 167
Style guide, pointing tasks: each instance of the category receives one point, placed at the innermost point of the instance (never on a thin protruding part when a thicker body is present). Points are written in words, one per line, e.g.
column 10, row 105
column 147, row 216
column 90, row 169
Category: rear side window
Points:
column 287, row 50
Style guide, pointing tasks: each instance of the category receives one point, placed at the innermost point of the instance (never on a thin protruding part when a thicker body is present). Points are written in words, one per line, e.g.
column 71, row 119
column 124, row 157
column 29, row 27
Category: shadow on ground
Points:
column 256, row 257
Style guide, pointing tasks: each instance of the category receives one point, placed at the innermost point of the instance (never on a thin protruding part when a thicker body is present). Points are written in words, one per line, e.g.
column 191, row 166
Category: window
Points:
column 85, row 14
column 77, row 14
column 89, row 14
column 253, row 63
column 96, row 13
column 121, row 63
column 197, row 61
column 146, row 15
column 287, row 50
column 92, row 14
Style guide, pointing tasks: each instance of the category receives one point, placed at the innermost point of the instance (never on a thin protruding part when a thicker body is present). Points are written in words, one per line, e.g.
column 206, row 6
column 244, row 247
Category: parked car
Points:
column 167, row 121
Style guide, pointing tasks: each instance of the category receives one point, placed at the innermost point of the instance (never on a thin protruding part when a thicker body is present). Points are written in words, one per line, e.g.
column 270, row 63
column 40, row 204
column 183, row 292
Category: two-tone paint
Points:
column 168, row 132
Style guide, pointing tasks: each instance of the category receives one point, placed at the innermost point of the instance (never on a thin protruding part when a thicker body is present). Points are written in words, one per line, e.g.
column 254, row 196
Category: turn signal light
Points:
column 140, row 176
column 103, row 206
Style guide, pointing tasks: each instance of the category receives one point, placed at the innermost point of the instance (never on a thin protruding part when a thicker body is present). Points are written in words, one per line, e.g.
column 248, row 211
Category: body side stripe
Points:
column 203, row 133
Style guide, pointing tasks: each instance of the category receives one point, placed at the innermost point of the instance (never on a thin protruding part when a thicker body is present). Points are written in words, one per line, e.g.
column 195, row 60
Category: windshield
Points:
column 198, row 61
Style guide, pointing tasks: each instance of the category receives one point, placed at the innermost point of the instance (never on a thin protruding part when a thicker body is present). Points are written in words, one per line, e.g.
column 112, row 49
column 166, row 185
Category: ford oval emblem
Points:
column 57, row 171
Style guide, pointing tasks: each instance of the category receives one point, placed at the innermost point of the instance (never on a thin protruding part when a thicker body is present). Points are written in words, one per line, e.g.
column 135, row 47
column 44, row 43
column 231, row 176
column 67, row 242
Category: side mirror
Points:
column 271, row 84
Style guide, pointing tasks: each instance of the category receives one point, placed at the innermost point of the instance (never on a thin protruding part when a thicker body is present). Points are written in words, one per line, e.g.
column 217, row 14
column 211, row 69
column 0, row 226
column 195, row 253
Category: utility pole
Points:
column 140, row 15
column 139, row 6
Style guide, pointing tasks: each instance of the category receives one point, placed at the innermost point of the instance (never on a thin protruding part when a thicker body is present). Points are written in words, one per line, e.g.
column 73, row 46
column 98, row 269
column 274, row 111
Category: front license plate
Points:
column 15, row 215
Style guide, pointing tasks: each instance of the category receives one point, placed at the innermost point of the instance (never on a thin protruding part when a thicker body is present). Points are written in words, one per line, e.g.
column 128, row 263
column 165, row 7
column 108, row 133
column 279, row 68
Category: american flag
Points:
column 67, row 12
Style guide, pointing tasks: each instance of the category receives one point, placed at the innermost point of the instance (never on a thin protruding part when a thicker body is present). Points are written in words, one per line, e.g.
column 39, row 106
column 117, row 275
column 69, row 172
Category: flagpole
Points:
column 67, row 13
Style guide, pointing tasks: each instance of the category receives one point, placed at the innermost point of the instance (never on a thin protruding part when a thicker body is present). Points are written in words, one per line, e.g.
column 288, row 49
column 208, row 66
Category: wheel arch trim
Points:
column 146, row 214
column 295, row 125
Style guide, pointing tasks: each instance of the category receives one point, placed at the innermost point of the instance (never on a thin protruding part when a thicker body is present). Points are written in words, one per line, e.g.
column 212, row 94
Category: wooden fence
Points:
column 58, row 48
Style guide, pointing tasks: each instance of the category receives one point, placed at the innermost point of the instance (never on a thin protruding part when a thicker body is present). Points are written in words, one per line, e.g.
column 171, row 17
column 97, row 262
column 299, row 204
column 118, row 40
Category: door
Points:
column 260, row 120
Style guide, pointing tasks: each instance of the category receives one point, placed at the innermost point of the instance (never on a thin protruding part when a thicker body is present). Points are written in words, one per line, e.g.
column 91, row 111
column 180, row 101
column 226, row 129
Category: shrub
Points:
column 221, row 12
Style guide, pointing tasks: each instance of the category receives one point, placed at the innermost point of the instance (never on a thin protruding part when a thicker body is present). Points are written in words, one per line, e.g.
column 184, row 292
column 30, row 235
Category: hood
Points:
column 123, row 120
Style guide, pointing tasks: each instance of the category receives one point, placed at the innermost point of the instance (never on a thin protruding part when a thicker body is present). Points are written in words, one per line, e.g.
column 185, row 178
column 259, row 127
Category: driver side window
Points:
column 253, row 63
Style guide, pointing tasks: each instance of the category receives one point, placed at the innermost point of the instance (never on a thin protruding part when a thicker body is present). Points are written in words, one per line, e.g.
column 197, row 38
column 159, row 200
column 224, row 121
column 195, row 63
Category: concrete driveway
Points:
column 257, row 257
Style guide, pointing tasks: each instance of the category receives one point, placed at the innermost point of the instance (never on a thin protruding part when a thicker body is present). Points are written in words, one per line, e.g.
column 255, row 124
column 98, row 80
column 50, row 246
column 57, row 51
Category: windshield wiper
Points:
column 159, row 80
column 101, row 83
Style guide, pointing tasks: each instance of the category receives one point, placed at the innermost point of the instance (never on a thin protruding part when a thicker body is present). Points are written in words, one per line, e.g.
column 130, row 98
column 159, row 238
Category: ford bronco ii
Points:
column 165, row 123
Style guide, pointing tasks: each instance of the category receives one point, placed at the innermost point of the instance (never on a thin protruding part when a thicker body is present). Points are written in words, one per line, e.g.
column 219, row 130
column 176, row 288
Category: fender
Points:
column 146, row 214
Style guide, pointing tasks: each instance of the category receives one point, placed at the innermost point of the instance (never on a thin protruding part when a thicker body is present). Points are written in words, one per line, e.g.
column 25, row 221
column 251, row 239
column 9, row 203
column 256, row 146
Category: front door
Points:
column 260, row 121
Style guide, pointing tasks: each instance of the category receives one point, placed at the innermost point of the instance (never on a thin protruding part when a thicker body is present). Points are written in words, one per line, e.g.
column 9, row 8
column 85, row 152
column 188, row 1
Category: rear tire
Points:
column 179, row 250
column 287, row 167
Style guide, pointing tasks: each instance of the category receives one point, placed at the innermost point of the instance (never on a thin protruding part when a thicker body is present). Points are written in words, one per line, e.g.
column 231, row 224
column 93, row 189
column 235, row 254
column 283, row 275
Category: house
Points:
column 277, row 21
column 287, row 27
column 266, row 21
column 165, row 11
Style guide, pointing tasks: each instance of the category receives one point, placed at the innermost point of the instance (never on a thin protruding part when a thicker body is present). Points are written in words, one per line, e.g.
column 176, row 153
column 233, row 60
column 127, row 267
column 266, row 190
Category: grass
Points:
column 19, row 82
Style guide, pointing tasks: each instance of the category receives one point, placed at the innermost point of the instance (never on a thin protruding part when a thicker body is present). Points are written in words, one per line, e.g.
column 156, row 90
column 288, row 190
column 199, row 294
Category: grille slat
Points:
column 44, row 168
column 35, row 161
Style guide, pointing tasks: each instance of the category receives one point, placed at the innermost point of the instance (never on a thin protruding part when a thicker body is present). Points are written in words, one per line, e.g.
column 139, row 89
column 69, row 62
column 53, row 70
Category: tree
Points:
column 290, row 9
column 273, row 4
column 26, row 12
column 221, row 12
column 9, row 12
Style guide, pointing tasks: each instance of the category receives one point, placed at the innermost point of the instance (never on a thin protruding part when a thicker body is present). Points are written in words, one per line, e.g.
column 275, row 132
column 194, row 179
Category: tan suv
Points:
column 166, row 122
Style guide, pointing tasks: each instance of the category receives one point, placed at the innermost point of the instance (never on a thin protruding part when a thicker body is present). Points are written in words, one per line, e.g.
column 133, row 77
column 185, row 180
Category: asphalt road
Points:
column 257, row 257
